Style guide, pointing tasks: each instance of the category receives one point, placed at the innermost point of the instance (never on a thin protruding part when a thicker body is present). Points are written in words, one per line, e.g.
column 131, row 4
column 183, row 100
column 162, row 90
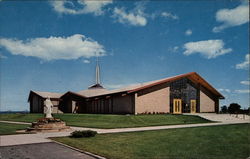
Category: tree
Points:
column 224, row 109
column 234, row 108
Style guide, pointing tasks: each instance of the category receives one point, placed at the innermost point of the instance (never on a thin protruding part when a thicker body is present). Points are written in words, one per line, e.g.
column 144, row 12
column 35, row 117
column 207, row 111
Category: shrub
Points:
column 84, row 133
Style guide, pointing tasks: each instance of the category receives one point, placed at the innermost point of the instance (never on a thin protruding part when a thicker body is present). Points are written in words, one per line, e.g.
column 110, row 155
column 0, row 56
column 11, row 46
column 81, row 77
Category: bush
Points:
column 84, row 133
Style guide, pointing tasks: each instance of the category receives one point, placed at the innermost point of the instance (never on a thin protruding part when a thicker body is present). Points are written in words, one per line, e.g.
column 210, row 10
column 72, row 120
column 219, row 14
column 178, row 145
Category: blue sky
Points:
column 52, row 45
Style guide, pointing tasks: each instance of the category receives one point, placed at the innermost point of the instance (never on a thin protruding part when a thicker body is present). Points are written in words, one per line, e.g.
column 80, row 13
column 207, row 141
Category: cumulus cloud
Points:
column 169, row 15
column 79, row 6
column 54, row 48
column 188, row 32
column 135, row 17
column 208, row 48
column 232, row 17
column 242, row 91
column 245, row 82
column 244, row 64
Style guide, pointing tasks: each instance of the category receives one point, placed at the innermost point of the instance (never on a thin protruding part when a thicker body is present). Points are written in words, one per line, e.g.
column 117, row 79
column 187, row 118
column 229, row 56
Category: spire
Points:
column 97, row 76
column 97, row 72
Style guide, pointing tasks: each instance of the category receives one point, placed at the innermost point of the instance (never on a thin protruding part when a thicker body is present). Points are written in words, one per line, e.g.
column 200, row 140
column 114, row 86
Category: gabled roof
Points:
column 45, row 94
column 193, row 76
column 96, row 86
column 95, row 92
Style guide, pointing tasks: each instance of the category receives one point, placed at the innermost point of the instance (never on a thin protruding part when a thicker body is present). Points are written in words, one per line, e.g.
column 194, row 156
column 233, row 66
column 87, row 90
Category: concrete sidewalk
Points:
column 15, row 122
column 20, row 139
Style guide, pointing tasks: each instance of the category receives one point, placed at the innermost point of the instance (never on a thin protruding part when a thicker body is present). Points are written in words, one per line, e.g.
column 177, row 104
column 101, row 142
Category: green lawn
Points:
column 20, row 117
column 217, row 142
column 8, row 129
column 111, row 121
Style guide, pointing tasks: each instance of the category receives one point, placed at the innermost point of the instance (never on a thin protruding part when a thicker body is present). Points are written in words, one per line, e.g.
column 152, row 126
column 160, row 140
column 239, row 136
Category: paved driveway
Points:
column 41, row 151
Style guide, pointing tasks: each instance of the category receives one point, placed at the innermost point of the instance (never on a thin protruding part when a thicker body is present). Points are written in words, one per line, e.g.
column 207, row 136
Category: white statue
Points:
column 48, row 108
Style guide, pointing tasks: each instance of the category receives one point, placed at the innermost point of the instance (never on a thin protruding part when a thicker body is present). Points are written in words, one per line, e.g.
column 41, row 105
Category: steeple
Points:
column 97, row 72
column 97, row 76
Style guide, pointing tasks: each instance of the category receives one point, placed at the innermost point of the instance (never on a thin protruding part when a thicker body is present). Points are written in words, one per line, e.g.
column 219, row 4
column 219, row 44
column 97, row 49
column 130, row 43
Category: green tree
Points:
column 234, row 108
column 224, row 109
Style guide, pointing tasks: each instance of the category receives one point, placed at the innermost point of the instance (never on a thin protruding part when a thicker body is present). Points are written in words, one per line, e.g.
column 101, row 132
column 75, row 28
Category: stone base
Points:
column 48, row 125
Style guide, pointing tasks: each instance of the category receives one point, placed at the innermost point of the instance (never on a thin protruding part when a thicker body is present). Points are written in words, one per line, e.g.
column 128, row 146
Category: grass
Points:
column 9, row 129
column 20, row 117
column 111, row 121
column 215, row 142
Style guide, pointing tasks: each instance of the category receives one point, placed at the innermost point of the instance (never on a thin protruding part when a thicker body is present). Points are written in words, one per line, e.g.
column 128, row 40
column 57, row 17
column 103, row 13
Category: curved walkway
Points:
column 20, row 139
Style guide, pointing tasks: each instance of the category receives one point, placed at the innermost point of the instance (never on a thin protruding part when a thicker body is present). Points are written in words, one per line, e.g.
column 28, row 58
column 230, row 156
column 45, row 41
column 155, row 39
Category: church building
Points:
column 185, row 93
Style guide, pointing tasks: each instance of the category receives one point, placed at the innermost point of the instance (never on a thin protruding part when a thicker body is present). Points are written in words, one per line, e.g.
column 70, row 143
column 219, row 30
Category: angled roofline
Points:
column 33, row 92
column 211, row 87
column 69, row 92
column 37, row 93
column 176, row 78
column 170, row 79
column 189, row 75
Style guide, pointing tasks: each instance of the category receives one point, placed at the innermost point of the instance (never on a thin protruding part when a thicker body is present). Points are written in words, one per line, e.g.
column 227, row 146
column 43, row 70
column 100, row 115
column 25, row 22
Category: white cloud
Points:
column 224, row 90
column 232, row 17
column 86, row 61
column 188, row 32
column 244, row 64
column 54, row 48
column 136, row 17
column 242, row 91
column 169, row 15
column 173, row 49
column 245, row 82
column 208, row 48
column 80, row 6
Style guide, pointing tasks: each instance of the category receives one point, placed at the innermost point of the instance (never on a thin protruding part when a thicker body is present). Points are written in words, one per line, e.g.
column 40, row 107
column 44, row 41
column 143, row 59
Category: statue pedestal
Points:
column 48, row 125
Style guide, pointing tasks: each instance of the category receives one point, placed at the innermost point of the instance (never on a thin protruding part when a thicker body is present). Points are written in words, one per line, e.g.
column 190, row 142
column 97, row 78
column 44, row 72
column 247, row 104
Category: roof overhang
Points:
column 72, row 93
column 32, row 92
column 193, row 76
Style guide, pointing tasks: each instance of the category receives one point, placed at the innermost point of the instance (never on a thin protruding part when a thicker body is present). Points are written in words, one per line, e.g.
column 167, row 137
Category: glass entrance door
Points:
column 177, row 106
column 193, row 106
